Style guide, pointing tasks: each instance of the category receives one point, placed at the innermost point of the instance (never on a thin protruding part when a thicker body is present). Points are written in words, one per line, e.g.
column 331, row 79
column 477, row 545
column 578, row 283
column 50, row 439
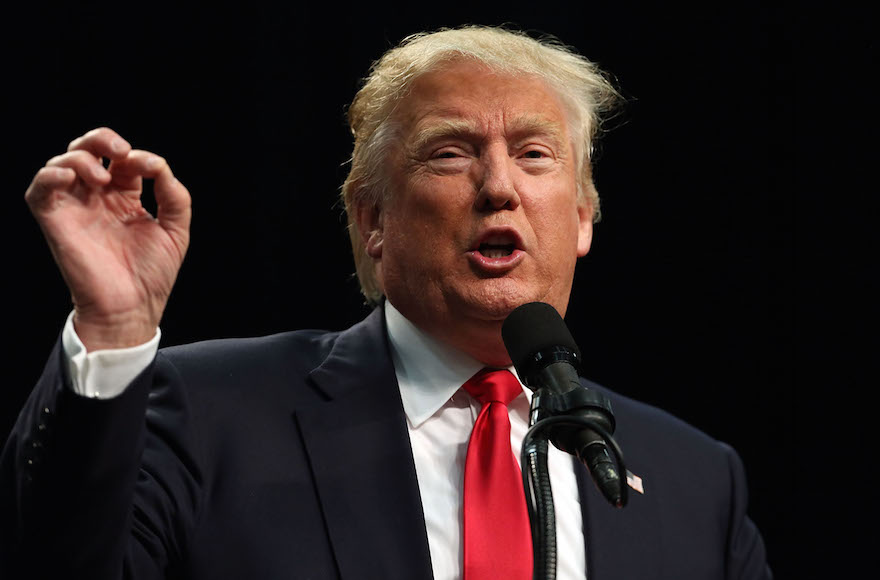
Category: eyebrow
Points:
column 526, row 125
column 443, row 128
column 536, row 125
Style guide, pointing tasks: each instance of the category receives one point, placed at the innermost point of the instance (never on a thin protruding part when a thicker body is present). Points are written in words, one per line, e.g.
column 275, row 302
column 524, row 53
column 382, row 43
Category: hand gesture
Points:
column 119, row 262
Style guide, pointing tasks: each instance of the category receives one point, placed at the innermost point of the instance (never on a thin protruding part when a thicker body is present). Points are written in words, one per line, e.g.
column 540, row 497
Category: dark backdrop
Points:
column 729, row 280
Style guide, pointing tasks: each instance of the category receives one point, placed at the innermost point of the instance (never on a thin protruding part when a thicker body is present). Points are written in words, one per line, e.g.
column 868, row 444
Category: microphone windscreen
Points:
column 533, row 328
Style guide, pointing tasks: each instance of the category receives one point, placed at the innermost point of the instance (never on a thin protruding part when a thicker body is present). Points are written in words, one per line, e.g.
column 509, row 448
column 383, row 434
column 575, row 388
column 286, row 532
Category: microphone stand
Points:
column 548, row 413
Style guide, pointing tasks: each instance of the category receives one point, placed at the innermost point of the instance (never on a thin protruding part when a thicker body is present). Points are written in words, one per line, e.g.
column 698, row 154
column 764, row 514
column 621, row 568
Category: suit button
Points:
column 45, row 421
column 38, row 436
column 31, row 466
column 34, row 444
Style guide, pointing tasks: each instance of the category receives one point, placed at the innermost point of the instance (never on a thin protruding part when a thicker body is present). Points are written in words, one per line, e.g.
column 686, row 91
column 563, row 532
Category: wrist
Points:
column 113, row 332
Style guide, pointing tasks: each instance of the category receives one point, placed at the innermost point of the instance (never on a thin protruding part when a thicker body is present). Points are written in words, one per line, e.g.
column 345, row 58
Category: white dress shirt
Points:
column 440, row 417
column 104, row 374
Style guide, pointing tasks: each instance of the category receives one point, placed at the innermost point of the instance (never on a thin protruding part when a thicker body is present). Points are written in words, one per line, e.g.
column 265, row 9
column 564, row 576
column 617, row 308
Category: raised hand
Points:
column 119, row 262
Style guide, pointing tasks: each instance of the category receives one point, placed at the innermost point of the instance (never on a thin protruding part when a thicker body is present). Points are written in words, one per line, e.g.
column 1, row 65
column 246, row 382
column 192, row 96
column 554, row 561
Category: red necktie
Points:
column 497, row 535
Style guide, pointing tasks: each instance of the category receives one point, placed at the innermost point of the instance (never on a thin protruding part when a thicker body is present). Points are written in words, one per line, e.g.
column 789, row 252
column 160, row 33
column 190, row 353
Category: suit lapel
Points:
column 360, row 454
column 361, row 458
column 620, row 543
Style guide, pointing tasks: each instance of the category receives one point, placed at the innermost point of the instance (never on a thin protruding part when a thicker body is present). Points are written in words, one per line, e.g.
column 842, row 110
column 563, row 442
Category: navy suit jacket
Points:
column 288, row 457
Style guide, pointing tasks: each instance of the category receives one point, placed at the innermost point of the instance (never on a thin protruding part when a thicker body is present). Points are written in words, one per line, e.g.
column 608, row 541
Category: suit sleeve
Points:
column 98, row 488
column 746, row 555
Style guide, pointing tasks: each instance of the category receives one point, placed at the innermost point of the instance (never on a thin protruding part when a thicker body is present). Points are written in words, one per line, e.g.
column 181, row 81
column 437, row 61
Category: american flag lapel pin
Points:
column 635, row 482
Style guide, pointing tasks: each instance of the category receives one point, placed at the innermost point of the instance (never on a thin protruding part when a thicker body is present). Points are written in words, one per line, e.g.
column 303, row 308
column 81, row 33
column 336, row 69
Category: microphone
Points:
column 546, row 357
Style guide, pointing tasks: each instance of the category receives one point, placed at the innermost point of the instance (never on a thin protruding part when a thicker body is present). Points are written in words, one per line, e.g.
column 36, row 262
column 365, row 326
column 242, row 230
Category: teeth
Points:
column 496, row 253
column 497, row 245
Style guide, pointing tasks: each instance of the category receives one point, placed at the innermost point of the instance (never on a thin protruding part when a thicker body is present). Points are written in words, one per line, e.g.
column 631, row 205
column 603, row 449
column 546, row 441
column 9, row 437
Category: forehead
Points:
column 466, row 96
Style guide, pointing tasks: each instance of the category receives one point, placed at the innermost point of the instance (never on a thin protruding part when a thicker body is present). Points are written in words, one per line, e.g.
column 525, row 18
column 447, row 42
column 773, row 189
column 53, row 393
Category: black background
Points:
column 730, row 281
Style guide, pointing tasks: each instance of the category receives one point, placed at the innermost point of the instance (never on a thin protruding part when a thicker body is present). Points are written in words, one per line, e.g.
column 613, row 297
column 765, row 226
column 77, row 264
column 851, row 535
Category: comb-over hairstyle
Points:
column 584, row 90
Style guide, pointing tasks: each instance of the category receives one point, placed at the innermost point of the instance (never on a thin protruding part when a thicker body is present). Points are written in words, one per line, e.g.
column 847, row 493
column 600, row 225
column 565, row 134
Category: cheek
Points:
column 435, row 211
column 558, row 224
column 414, row 239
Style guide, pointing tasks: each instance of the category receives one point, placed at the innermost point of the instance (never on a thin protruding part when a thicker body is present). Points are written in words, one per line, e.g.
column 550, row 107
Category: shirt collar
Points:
column 428, row 371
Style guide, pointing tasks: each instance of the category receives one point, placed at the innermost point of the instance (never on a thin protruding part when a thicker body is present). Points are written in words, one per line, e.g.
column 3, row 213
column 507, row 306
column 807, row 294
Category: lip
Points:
column 504, row 264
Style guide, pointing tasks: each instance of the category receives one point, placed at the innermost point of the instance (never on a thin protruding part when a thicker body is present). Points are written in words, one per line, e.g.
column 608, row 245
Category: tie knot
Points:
column 493, row 386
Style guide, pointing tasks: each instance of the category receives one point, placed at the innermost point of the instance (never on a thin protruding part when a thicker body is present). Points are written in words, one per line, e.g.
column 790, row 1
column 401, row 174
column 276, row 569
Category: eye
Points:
column 536, row 154
column 448, row 160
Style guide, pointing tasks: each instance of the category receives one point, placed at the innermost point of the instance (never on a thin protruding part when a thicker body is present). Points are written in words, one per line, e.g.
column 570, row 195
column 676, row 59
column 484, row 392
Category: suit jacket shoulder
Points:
column 690, row 519
column 303, row 455
column 283, row 456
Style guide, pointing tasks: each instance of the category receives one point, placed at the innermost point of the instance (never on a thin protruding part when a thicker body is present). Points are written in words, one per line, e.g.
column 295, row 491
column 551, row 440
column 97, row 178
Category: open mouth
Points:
column 498, row 244
column 496, row 250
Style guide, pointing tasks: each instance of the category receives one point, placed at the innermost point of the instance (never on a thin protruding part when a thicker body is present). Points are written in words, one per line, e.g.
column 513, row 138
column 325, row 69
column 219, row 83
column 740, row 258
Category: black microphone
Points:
column 546, row 357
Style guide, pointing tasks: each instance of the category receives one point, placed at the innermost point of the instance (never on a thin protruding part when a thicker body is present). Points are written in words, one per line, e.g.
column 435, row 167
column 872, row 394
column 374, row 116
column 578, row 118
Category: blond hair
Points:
column 583, row 88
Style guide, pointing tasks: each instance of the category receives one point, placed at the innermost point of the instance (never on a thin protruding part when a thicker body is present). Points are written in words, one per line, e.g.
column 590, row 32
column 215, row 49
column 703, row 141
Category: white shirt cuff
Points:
column 104, row 374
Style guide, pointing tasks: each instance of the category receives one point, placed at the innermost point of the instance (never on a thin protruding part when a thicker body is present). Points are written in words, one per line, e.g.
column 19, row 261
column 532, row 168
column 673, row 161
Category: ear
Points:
column 369, row 222
column 585, row 228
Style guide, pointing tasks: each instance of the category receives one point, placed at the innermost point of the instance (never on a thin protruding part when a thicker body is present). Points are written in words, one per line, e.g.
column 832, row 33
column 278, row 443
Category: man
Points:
column 325, row 455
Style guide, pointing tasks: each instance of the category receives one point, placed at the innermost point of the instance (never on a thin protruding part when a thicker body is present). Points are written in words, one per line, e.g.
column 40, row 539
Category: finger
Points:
column 87, row 166
column 101, row 142
column 174, row 205
column 137, row 163
column 173, row 201
column 127, row 183
column 47, row 180
column 127, row 173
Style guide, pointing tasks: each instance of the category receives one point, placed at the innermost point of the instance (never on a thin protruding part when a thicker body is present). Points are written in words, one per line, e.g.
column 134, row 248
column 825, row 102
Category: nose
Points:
column 496, row 188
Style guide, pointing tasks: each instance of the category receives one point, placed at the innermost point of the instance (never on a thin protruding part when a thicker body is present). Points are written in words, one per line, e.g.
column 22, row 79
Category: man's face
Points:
column 484, row 214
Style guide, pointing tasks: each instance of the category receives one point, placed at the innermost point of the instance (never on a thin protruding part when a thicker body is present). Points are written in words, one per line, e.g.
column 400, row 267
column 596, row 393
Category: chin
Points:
column 494, row 300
